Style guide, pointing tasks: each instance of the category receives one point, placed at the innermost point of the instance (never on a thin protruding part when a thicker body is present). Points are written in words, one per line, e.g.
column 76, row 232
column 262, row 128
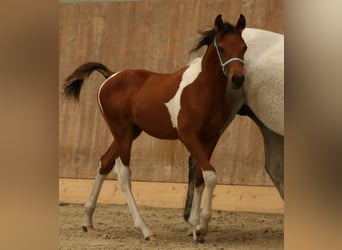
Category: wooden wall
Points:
column 154, row 35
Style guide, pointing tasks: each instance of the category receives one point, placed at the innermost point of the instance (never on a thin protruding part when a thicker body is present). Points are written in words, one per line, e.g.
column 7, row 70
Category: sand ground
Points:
column 115, row 230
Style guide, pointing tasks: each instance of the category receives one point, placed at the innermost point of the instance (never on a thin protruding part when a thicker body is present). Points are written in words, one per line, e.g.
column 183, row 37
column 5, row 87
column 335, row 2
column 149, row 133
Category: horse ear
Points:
column 218, row 23
column 241, row 23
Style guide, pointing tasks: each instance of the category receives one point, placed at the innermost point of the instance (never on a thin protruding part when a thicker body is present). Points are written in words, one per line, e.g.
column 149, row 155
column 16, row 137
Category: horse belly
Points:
column 265, row 95
column 264, row 83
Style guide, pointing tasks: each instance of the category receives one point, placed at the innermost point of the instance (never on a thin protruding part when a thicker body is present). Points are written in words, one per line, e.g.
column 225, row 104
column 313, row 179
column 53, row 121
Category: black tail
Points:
column 74, row 82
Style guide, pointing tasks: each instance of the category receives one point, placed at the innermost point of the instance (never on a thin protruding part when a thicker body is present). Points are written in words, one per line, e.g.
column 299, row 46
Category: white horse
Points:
column 264, row 86
column 264, row 91
column 262, row 100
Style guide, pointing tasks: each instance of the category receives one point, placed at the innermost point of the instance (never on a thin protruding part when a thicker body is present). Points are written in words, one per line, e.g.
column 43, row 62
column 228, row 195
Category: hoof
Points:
column 152, row 237
column 87, row 228
column 199, row 240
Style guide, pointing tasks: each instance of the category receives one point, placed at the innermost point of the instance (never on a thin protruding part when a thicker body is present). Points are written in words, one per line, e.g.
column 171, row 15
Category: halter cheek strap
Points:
column 224, row 64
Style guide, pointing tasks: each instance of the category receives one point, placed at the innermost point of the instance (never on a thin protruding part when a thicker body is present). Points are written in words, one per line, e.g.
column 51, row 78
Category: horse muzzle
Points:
column 238, row 81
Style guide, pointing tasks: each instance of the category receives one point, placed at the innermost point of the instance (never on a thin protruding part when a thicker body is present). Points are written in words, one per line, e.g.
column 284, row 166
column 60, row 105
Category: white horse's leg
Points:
column 124, row 177
column 210, row 183
column 91, row 203
column 195, row 211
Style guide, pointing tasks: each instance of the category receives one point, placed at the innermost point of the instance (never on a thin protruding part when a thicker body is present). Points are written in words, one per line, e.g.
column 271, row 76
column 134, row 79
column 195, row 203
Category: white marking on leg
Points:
column 124, row 176
column 189, row 76
column 99, row 90
column 91, row 203
column 210, row 183
column 195, row 210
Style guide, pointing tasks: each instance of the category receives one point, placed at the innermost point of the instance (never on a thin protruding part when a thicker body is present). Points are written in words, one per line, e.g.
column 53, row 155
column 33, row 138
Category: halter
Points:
column 223, row 65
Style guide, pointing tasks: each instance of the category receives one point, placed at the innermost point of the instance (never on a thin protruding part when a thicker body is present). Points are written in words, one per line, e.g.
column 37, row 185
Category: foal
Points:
column 263, row 102
column 189, row 105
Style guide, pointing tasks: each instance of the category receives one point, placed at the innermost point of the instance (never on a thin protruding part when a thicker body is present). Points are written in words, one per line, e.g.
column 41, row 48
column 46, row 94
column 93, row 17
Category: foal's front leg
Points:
column 201, row 152
column 210, row 182
column 199, row 221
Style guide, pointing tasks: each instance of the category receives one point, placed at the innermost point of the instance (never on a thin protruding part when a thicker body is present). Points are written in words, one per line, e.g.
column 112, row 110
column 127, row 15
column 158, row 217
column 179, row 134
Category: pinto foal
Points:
column 189, row 105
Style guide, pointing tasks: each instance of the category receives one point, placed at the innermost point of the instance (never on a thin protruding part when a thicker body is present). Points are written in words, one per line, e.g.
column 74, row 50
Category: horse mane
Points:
column 207, row 36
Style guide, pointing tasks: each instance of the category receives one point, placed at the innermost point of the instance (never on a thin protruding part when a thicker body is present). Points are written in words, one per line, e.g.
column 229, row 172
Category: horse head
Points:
column 230, row 48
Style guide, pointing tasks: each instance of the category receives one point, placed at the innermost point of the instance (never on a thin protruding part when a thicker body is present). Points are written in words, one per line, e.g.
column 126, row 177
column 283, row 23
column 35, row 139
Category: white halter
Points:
column 224, row 64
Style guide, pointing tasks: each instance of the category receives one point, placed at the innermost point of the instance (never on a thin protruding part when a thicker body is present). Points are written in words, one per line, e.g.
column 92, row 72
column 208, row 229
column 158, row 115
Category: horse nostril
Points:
column 238, row 80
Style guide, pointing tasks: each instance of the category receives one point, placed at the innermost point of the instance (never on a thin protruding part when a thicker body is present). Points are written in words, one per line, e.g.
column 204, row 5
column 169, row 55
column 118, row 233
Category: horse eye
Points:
column 220, row 49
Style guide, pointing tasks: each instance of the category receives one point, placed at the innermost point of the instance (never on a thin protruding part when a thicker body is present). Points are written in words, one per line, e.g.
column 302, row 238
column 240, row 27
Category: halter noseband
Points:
column 223, row 65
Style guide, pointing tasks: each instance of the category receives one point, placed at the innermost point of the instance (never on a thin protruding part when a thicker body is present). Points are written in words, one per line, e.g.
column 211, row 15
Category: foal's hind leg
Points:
column 125, row 139
column 106, row 165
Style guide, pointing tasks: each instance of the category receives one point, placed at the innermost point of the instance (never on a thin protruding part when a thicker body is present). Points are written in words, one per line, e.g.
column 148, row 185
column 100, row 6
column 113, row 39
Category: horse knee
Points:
column 107, row 160
column 124, row 175
column 107, row 163
column 199, row 181
column 210, row 178
column 106, row 168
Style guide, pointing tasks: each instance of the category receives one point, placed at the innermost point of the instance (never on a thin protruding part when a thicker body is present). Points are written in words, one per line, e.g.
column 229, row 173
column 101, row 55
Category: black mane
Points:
column 207, row 36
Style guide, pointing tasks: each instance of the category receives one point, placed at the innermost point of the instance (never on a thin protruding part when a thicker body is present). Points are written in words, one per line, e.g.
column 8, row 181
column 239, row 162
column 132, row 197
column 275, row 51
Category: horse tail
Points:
column 74, row 82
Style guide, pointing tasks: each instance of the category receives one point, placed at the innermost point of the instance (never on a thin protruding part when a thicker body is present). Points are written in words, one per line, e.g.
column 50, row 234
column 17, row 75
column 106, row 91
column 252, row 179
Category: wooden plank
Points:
column 173, row 195
column 155, row 35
